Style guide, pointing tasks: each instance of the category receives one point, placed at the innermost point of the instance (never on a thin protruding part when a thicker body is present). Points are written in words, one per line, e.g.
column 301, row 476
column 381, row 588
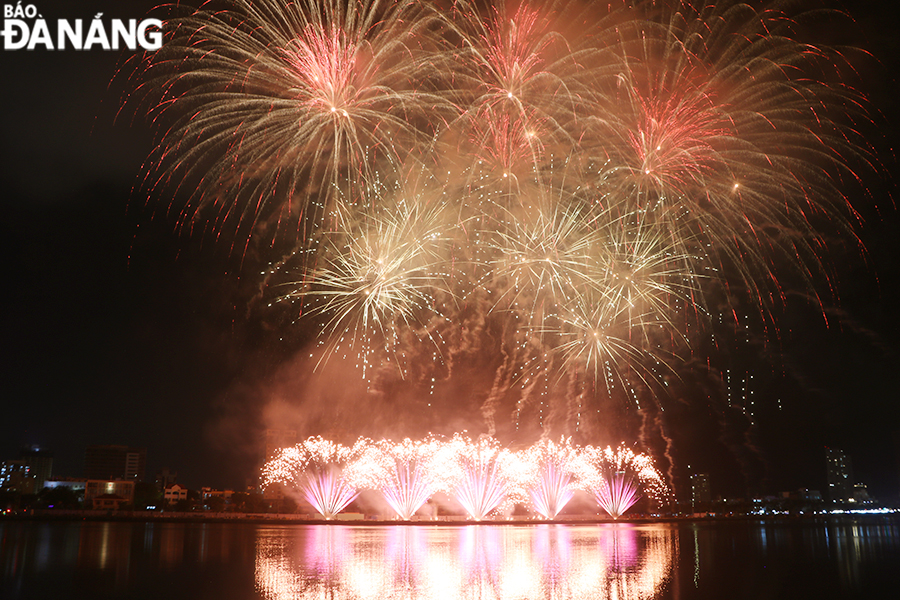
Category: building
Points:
column 207, row 494
column 810, row 495
column 111, row 493
column 76, row 485
column 15, row 476
column 108, row 502
column 739, row 391
column 115, row 462
column 40, row 465
column 700, row 492
column 839, row 475
column 175, row 492
column 165, row 478
column 860, row 494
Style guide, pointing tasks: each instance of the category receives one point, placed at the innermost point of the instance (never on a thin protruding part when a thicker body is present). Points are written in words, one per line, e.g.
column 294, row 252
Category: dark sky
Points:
column 119, row 330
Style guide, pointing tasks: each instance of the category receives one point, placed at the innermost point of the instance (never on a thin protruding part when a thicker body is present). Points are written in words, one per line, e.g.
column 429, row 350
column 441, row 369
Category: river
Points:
column 843, row 557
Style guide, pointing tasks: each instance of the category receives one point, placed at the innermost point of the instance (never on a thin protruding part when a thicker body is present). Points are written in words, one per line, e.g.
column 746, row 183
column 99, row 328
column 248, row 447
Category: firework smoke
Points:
column 523, row 203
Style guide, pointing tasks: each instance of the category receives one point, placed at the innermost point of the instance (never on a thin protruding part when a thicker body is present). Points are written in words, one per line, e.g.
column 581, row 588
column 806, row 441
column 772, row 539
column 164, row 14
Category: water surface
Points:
column 841, row 558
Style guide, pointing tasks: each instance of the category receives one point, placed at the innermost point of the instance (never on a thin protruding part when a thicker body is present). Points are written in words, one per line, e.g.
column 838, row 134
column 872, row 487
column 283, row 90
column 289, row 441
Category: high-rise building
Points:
column 839, row 474
column 40, row 463
column 165, row 478
column 15, row 476
column 115, row 462
column 861, row 494
column 700, row 492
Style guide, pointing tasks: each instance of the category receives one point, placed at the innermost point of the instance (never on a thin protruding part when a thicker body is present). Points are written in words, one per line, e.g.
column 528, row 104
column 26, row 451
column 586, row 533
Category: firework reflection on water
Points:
column 448, row 563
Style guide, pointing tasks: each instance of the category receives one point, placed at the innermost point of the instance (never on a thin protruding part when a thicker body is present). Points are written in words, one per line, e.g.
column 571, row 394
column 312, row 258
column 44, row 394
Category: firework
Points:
column 592, row 184
column 616, row 478
column 524, row 68
column 723, row 112
column 377, row 273
column 327, row 492
column 403, row 472
column 314, row 468
column 617, row 494
column 543, row 260
column 482, row 476
column 551, row 484
column 276, row 106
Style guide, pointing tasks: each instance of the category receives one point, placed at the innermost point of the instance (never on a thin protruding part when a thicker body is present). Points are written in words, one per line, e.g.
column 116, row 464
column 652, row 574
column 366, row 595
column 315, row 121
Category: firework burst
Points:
column 376, row 275
column 593, row 176
column 277, row 106
column 480, row 475
column 723, row 112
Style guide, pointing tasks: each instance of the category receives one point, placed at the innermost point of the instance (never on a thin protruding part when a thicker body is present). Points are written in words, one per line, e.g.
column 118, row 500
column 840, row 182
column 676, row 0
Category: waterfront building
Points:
column 175, row 492
column 40, row 465
column 860, row 494
column 115, row 462
column 108, row 502
column 700, row 492
column 207, row 493
column 810, row 495
column 123, row 489
column 165, row 478
column 15, row 476
column 839, row 475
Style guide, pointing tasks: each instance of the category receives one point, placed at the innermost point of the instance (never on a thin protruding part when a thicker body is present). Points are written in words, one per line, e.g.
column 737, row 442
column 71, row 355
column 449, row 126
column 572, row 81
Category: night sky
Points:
column 118, row 329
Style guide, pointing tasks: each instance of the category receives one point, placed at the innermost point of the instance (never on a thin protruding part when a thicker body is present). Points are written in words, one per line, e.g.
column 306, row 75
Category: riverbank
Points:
column 358, row 518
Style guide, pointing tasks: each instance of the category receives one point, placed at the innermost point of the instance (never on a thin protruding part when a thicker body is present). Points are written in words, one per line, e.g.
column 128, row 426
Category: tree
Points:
column 59, row 497
column 146, row 495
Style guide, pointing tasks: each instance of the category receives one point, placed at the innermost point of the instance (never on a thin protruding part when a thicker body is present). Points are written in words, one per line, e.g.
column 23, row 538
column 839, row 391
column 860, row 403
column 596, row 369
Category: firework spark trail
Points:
column 378, row 273
column 617, row 494
column 403, row 472
column 277, row 101
column 479, row 476
column 482, row 476
column 599, row 175
column 314, row 468
column 551, row 485
column 615, row 478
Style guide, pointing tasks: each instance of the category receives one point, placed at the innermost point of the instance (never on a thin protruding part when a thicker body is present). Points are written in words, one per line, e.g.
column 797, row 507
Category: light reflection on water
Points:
column 685, row 560
column 619, row 561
